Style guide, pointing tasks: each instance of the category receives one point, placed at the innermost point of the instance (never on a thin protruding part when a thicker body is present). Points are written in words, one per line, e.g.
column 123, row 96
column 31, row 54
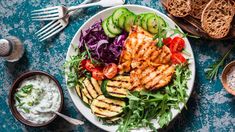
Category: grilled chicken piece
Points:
column 149, row 66
column 140, row 46
column 151, row 77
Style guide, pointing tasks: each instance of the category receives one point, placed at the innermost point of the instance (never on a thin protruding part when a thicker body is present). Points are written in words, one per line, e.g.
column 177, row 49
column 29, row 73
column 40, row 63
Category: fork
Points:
column 58, row 12
column 55, row 26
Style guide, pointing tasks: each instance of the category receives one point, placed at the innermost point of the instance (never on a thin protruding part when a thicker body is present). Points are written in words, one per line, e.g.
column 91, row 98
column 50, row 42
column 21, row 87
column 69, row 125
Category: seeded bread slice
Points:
column 179, row 8
column 217, row 17
column 197, row 7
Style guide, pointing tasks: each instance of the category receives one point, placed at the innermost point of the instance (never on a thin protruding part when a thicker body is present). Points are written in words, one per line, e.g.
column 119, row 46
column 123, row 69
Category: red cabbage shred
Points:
column 102, row 48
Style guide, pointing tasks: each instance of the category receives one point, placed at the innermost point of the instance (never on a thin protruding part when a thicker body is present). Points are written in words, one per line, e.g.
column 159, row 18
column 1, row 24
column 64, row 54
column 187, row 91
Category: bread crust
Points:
column 197, row 7
column 179, row 8
column 217, row 17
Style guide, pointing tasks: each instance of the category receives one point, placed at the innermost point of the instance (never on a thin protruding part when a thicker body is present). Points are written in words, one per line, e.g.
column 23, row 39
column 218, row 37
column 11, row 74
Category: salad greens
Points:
column 144, row 106
column 75, row 70
column 162, row 34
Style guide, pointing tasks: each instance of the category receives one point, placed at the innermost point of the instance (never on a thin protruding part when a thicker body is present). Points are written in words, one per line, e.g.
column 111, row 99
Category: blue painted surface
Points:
column 210, row 107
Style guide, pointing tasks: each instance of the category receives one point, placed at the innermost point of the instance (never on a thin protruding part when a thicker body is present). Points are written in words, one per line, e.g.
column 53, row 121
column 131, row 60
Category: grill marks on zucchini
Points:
column 90, row 90
column 116, row 87
column 106, row 108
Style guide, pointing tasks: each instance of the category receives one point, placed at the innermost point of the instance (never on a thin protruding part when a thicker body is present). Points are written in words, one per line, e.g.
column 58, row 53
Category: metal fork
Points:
column 58, row 12
column 55, row 26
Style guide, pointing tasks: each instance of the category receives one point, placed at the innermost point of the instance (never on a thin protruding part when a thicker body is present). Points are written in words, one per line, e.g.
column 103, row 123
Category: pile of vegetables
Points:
column 100, row 47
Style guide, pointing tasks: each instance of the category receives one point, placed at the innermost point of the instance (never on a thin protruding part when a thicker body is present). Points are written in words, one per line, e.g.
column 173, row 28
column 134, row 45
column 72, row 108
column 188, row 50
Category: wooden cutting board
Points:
column 193, row 25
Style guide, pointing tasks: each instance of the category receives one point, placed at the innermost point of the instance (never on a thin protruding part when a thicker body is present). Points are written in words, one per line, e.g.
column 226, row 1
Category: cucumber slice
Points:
column 118, row 13
column 121, row 20
column 112, row 27
column 138, row 19
column 161, row 21
column 106, row 31
column 155, row 23
column 145, row 20
column 152, row 24
column 130, row 19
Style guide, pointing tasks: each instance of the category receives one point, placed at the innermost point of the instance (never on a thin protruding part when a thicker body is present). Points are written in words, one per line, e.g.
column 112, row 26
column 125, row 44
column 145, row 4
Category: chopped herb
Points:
column 25, row 110
column 27, row 88
column 30, row 103
column 144, row 106
column 213, row 70
column 20, row 104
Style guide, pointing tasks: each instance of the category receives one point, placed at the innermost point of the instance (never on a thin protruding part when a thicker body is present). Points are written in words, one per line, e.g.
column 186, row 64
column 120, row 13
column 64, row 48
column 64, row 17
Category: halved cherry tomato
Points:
column 83, row 63
column 89, row 66
column 167, row 41
column 178, row 58
column 110, row 70
column 97, row 74
column 177, row 44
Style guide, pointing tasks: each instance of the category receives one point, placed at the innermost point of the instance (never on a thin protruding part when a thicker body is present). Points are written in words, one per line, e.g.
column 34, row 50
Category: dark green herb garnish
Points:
column 27, row 88
column 162, row 34
column 213, row 70
column 144, row 106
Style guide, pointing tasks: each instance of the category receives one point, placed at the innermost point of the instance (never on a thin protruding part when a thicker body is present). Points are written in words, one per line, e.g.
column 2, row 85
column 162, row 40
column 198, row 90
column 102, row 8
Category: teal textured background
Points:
column 210, row 108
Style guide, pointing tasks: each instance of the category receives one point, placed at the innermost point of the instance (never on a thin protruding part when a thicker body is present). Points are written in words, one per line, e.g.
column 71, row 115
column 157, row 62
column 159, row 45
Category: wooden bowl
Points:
column 224, row 77
column 14, row 88
column 193, row 25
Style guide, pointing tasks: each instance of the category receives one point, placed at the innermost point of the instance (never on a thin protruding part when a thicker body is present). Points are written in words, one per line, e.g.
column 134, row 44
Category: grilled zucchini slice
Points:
column 91, row 90
column 82, row 96
column 107, row 108
column 116, row 87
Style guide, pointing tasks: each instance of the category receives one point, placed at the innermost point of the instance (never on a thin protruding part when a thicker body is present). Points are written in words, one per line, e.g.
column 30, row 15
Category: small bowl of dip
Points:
column 228, row 77
column 33, row 97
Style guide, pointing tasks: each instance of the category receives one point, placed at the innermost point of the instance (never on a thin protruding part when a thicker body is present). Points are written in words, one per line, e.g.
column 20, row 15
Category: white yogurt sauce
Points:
column 44, row 97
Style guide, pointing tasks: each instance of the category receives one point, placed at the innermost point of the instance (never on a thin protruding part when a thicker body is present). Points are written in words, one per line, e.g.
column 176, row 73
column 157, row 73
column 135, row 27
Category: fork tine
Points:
column 45, row 9
column 42, row 13
column 46, row 19
column 45, row 16
column 55, row 32
column 48, row 28
column 50, row 32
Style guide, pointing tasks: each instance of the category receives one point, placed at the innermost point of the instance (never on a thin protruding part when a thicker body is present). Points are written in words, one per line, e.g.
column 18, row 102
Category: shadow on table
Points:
column 17, row 68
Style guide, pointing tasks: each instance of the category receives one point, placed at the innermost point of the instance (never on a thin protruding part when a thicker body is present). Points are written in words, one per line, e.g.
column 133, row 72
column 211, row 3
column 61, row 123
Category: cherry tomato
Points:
column 110, row 70
column 89, row 66
column 97, row 74
column 177, row 45
column 167, row 41
column 178, row 58
column 83, row 63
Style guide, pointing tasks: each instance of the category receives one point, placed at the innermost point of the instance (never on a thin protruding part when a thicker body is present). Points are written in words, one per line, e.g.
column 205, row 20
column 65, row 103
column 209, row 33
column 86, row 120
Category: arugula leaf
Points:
column 162, row 34
column 144, row 106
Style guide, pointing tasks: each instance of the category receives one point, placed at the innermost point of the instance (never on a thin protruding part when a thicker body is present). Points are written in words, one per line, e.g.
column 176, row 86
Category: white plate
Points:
column 104, row 14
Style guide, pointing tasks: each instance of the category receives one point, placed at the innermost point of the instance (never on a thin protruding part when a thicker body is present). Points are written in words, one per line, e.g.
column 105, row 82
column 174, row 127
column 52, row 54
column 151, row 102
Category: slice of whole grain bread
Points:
column 179, row 8
column 217, row 17
column 197, row 7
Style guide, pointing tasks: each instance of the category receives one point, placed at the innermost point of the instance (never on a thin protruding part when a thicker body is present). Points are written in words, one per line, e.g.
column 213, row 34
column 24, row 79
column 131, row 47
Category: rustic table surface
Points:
column 210, row 108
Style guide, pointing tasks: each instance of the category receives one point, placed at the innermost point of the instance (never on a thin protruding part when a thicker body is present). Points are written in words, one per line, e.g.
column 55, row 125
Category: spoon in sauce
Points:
column 67, row 118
